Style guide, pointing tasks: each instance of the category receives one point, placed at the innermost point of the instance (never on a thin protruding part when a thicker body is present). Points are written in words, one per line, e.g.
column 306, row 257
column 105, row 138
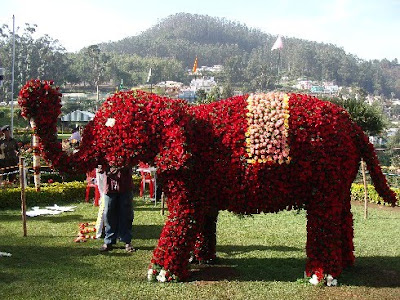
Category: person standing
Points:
column 8, row 153
column 118, row 207
column 75, row 137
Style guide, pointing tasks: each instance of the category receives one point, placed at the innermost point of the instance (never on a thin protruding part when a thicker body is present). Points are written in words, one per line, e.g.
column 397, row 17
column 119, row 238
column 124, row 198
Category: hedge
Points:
column 50, row 194
column 357, row 194
column 71, row 192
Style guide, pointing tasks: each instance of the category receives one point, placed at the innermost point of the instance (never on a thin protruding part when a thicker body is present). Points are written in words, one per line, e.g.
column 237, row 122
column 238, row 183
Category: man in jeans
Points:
column 118, row 207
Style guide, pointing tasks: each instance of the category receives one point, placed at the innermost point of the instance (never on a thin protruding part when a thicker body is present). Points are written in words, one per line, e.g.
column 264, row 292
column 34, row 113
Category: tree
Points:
column 394, row 149
column 227, row 91
column 42, row 58
column 99, row 62
column 201, row 96
column 214, row 95
column 368, row 117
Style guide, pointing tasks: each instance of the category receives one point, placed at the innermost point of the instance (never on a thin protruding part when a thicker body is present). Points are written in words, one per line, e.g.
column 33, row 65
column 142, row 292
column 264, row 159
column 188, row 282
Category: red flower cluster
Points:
column 41, row 102
column 205, row 165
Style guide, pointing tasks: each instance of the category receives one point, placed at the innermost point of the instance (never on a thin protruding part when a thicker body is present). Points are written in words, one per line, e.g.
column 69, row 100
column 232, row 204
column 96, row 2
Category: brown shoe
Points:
column 129, row 248
column 105, row 248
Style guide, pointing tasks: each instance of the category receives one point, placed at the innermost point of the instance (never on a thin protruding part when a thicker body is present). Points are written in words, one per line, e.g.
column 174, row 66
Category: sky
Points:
column 369, row 29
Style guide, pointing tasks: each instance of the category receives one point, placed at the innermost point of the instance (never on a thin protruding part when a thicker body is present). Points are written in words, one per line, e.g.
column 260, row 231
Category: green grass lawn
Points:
column 261, row 257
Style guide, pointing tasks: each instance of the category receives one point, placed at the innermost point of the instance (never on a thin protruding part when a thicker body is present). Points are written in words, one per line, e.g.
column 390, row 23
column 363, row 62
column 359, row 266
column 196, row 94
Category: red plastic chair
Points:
column 148, row 179
column 91, row 183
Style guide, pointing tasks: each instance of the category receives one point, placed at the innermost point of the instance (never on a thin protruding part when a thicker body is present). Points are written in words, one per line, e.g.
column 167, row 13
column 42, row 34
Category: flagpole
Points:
column 149, row 80
column 279, row 60
column 278, row 45
column 194, row 70
column 12, row 80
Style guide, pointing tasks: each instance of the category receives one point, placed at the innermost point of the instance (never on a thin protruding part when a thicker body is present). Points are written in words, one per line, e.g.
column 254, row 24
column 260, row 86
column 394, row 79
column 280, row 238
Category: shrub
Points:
column 50, row 193
column 55, row 193
column 71, row 192
column 357, row 194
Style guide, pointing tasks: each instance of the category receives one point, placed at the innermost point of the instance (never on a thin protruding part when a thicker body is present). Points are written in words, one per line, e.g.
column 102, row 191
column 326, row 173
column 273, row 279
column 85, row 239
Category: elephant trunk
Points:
column 40, row 103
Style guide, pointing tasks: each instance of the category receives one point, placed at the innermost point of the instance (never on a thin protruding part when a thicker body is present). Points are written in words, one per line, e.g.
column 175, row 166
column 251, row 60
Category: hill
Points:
column 183, row 36
column 244, row 51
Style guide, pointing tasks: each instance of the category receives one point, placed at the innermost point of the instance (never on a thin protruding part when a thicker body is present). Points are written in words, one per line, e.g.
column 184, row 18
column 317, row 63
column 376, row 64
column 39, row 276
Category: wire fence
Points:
column 14, row 170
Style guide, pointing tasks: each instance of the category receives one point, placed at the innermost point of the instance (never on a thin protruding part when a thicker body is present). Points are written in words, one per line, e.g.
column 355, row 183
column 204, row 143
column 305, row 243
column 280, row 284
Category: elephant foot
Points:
column 327, row 279
column 157, row 273
column 209, row 261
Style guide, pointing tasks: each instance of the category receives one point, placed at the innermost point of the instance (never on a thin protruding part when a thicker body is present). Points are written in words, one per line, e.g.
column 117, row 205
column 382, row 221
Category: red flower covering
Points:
column 206, row 163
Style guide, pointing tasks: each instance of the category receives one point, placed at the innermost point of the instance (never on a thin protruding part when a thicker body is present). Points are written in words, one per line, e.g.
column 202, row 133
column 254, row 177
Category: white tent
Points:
column 78, row 116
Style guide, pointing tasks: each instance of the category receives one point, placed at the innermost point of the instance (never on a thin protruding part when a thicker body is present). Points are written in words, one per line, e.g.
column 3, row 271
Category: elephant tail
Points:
column 368, row 154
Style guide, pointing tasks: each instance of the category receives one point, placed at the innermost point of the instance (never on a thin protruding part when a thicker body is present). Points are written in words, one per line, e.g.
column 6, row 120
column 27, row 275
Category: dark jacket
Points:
column 8, row 152
column 118, row 180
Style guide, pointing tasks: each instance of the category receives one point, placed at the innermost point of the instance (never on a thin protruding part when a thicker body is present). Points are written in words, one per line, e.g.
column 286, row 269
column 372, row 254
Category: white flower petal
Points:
column 110, row 122
column 314, row 280
column 161, row 277
column 330, row 281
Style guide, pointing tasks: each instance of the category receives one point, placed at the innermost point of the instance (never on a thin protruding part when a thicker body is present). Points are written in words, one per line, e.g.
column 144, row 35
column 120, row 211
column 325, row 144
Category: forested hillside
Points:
column 183, row 36
column 170, row 47
column 245, row 53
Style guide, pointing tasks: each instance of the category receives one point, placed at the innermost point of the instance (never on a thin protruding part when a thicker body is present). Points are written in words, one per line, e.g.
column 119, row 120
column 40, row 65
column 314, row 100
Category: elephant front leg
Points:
column 205, row 248
column 171, row 256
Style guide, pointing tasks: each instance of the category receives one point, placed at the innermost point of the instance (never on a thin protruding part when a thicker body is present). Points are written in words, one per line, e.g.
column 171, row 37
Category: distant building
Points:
column 303, row 85
column 317, row 89
column 213, row 69
column 187, row 95
column 392, row 131
column 330, row 88
column 204, row 83
column 169, row 84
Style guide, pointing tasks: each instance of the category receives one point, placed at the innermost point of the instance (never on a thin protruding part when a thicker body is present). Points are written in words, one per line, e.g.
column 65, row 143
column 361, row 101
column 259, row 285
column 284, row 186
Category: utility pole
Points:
column 12, row 81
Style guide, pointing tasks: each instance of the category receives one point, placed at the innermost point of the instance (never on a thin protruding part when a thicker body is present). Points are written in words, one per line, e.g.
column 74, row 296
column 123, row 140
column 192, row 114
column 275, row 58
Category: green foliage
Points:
column 368, row 117
column 227, row 91
column 201, row 96
column 59, row 193
column 213, row 95
column 19, row 122
column 394, row 149
column 247, row 59
column 171, row 46
column 98, row 63
column 357, row 194
column 42, row 57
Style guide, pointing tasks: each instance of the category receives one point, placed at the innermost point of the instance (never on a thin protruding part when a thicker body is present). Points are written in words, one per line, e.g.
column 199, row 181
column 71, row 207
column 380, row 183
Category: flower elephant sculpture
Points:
column 247, row 154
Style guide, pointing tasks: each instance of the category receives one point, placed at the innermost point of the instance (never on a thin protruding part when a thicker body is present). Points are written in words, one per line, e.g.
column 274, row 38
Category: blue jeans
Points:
column 118, row 217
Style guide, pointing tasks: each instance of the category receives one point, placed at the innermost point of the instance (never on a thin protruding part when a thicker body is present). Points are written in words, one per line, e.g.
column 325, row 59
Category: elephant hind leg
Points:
column 324, row 236
column 205, row 247
column 347, row 233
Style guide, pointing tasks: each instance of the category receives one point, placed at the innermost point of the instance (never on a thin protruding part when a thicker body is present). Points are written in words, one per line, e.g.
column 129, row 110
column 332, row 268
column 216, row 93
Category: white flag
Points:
column 278, row 44
column 149, row 76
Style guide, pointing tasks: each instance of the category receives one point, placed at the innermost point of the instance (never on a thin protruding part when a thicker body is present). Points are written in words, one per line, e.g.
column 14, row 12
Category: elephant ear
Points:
column 173, row 153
